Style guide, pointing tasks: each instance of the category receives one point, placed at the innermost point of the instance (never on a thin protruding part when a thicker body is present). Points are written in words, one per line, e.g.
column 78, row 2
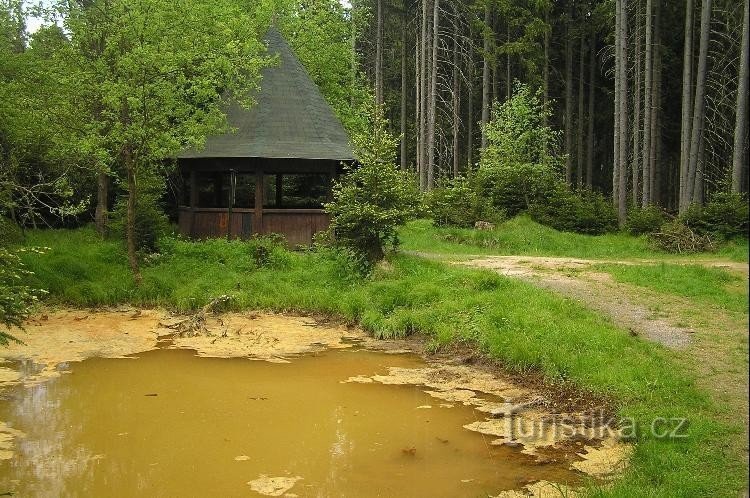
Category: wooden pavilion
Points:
column 273, row 173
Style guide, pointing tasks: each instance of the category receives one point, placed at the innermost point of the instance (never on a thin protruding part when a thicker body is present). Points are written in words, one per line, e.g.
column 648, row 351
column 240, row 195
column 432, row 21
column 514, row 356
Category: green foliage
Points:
column 457, row 204
column 10, row 233
column 320, row 32
column 150, row 222
column 17, row 298
column 725, row 216
column 519, row 167
column 371, row 201
column 677, row 237
column 581, row 211
column 645, row 220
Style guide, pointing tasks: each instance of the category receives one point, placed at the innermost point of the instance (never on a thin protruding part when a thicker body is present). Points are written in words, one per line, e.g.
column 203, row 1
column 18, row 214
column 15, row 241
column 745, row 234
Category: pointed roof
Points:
column 290, row 119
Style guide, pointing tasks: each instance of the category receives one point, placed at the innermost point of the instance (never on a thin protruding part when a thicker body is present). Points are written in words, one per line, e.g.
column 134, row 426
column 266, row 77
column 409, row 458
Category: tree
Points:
column 162, row 74
column 374, row 199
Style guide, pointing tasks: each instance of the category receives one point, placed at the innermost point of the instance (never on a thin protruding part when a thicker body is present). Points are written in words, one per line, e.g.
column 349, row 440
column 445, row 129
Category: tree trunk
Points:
column 508, row 77
column 687, row 104
column 581, row 117
column 130, row 215
column 637, row 103
column 616, row 110
column 470, row 102
column 545, row 69
column 423, row 100
column 404, row 39
column 592, row 110
column 623, row 115
column 433, row 95
column 569, row 98
column 699, row 106
column 486, row 72
column 740, row 127
column 379, row 55
column 655, row 105
column 647, row 114
column 456, row 99
column 102, row 203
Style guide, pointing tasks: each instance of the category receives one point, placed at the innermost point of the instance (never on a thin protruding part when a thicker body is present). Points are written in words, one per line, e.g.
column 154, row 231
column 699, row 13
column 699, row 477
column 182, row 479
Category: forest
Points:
column 530, row 211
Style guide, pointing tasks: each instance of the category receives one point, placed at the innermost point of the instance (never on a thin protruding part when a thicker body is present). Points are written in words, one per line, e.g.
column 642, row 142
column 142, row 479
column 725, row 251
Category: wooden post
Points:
column 259, row 191
column 193, row 200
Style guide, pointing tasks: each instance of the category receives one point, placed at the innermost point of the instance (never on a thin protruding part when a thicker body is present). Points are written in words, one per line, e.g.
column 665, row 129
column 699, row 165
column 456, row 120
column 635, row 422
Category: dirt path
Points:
column 711, row 343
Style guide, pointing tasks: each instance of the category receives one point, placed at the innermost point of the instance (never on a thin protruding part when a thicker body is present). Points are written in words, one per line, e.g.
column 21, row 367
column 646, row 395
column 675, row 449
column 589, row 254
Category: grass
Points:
column 713, row 286
column 523, row 236
column 524, row 327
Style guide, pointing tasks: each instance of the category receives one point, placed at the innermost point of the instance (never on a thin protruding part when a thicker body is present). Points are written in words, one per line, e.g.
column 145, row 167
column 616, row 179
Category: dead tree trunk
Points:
column 486, row 72
column 740, row 127
column 569, row 98
column 647, row 114
column 699, row 106
column 637, row 104
column 456, row 98
column 590, row 117
column 379, row 55
column 433, row 95
column 623, row 114
column 404, row 39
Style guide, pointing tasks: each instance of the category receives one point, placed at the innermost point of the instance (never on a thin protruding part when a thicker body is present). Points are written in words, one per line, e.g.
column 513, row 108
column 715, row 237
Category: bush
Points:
column 726, row 216
column 10, row 233
column 581, row 211
column 514, row 188
column 519, row 166
column 645, row 220
column 16, row 298
column 150, row 222
column 458, row 204
column 677, row 237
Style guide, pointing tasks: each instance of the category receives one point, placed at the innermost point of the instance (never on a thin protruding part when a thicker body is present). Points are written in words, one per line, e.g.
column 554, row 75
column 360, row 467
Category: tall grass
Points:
column 524, row 327
column 523, row 236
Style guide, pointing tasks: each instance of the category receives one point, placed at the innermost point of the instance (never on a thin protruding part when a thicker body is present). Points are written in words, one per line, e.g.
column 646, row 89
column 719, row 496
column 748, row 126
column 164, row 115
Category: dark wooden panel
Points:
column 298, row 227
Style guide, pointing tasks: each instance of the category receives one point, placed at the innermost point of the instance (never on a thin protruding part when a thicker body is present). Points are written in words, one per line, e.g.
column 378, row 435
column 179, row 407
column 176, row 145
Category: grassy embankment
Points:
column 523, row 236
column 524, row 327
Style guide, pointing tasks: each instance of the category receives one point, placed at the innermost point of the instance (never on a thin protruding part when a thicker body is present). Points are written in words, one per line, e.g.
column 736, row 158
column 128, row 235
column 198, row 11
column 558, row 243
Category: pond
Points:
column 170, row 423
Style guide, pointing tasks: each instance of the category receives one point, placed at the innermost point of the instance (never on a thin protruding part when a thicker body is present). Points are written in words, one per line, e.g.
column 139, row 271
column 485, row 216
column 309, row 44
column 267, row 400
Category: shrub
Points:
column 16, row 298
column 10, row 233
column 726, row 215
column 150, row 221
column 519, row 166
column 645, row 220
column 373, row 200
column 458, row 204
column 677, row 237
column 514, row 188
column 581, row 211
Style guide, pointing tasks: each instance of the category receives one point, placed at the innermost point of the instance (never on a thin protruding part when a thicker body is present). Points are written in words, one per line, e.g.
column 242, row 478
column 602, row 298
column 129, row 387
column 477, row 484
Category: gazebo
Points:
column 273, row 173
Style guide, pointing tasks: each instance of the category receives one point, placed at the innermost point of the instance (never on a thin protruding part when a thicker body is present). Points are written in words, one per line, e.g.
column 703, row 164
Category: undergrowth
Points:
column 526, row 328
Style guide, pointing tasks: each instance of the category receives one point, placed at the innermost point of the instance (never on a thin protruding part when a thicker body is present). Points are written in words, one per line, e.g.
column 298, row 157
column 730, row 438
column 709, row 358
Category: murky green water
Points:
column 172, row 424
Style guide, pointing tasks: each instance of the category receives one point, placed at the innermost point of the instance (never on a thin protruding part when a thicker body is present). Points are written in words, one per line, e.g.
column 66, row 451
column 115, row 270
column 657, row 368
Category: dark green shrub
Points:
column 677, row 237
column 514, row 188
column 150, row 222
column 370, row 202
column 645, row 220
column 726, row 215
column 458, row 204
column 10, row 233
column 581, row 211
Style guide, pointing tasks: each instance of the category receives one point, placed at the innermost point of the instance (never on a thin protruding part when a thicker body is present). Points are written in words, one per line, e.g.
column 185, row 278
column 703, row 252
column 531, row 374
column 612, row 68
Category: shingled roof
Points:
column 290, row 118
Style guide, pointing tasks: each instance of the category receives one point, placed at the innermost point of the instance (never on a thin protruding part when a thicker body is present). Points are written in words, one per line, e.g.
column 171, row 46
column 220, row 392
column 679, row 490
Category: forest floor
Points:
column 709, row 339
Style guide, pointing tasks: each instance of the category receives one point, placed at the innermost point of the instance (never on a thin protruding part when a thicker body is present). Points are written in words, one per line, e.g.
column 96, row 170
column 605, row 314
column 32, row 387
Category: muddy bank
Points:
column 511, row 412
